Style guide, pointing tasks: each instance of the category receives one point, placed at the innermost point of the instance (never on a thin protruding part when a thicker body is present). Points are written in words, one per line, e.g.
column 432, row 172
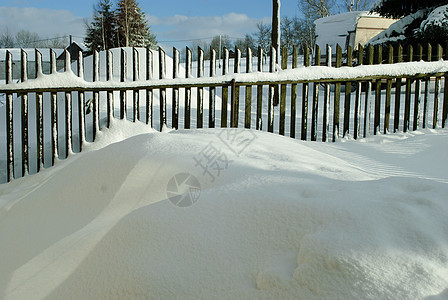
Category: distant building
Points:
column 74, row 49
column 351, row 28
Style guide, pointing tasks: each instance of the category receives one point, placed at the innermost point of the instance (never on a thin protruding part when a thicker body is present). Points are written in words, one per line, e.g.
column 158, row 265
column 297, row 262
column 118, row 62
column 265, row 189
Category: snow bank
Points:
column 281, row 219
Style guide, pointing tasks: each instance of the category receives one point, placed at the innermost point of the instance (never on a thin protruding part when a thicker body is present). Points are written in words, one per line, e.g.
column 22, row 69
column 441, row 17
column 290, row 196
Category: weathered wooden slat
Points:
column 305, row 92
column 80, row 102
column 445, row 102
column 437, row 91
column 200, row 90
column 24, row 110
column 149, row 93
column 271, row 92
column 9, row 122
column 315, row 108
column 123, row 75
column 188, row 68
column 68, row 124
column 259, row 125
column 162, row 96
column 390, row 60
column 357, row 113
column 292, row 129
column 39, row 109
column 348, row 87
column 337, row 97
column 54, row 114
column 248, row 102
column 175, row 105
column 225, row 90
column 235, row 105
column 398, row 92
column 376, row 120
column 417, row 96
column 110, row 95
column 232, row 98
column 427, row 82
column 135, row 77
column 284, row 64
column 212, row 91
column 367, row 102
column 96, row 97
column 326, row 112
column 407, row 102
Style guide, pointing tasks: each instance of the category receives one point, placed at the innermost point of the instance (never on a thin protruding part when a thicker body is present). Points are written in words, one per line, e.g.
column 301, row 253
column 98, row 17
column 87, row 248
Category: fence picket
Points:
column 110, row 95
column 292, row 129
column 96, row 97
column 337, row 96
column 212, row 91
column 398, row 92
column 376, row 120
column 80, row 102
column 357, row 113
column 284, row 64
column 259, row 120
column 175, row 104
column 390, row 60
column 315, row 108
column 162, row 96
column 123, row 75
column 24, row 110
column 135, row 77
column 9, row 122
column 305, row 93
column 417, row 97
column 149, row 93
column 326, row 112
column 200, row 91
column 225, row 89
column 271, row 92
column 39, row 110
column 188, row 67
column 68, row 112
column 427, row 82
column 348, row 87
column 437, row 90
column 407, row 103
column 54, row 114
column 367, row 102
column 235, row 105
column 248, row 102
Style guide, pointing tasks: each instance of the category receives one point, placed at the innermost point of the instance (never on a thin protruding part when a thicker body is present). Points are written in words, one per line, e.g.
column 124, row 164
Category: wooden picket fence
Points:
column 291, row 97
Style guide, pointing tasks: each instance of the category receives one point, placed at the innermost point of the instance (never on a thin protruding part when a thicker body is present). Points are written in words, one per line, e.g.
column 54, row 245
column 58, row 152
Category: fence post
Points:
column 259, row 121
column 175, row 104
column 284, row 64
column 54, row 114
column 292, row 129
column 225, row 90
column 123, row 75
column 149, row 93
column 188, row 67
column 212, row 91
column 248, row 103
column 356, row 122
column 68, row 110
column 367, row 103
column 407, row 103
column 427, row 83
column 24, row 109
column 376, row 118
column 234, row 107
column 271, row 92
column 348, row 87
column 315, row 108
column 9, row 122
column 162, row 97
column 200, row 90
column 337, row 96
column 135, row 77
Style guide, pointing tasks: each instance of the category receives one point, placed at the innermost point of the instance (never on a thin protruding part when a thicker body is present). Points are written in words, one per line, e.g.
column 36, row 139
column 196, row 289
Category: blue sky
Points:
column 171, row 20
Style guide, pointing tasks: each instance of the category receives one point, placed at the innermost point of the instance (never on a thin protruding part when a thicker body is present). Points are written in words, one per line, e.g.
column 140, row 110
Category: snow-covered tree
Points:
column 133, row 29
column 401, row 8
column 101, row 32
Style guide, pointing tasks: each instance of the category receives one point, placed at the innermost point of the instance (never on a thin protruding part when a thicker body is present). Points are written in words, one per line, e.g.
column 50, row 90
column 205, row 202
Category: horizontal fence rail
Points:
column 317, row 98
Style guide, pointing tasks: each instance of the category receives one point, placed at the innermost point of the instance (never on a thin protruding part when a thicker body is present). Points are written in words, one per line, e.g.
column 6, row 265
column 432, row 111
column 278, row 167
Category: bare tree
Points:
column 356, row 5
column 27, row 39
column 6, row 38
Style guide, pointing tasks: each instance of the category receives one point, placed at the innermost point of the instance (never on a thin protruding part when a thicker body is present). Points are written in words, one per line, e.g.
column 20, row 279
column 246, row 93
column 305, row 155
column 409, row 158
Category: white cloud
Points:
column 45, row 22
column 180, row 27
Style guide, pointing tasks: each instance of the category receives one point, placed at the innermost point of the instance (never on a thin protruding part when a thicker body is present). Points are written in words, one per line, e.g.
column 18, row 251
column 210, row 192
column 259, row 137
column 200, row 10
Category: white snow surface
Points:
column 286, row 219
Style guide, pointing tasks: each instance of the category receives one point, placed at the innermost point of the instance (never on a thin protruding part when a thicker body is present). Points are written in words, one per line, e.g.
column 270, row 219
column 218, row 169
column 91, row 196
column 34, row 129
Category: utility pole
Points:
column 275, row 34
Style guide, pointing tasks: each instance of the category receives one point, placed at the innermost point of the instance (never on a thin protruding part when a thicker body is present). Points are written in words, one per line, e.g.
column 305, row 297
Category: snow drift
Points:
column 281, row 219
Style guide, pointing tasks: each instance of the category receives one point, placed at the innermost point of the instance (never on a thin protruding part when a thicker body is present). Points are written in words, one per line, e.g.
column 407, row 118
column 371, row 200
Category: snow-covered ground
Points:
column 231, row 214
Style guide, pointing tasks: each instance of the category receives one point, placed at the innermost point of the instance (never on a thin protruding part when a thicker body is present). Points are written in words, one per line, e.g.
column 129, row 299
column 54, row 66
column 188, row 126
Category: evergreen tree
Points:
column 101, row 33
column 133, row 29
column 401, row 8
